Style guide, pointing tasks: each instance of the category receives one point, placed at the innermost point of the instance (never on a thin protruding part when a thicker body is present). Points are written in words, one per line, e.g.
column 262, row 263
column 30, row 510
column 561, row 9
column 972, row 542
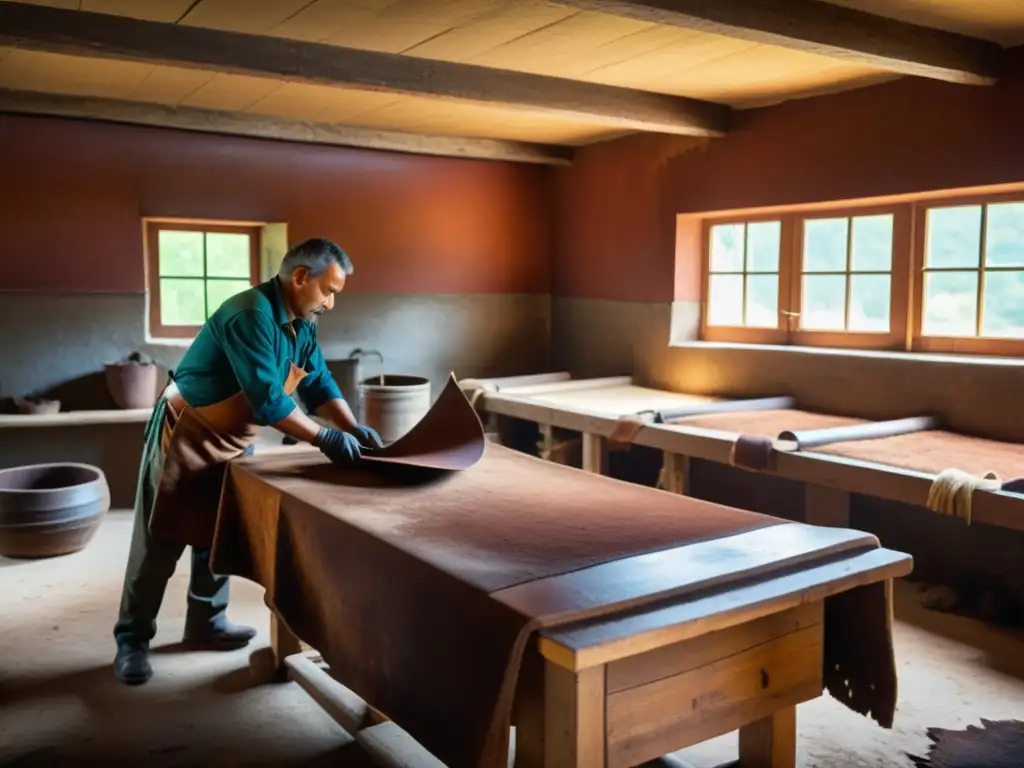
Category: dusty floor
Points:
column 60, row 704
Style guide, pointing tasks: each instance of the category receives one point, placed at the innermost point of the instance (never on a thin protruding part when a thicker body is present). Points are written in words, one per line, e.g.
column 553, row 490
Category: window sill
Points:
column 873, row 354
column 76, row 418
column 158, row 342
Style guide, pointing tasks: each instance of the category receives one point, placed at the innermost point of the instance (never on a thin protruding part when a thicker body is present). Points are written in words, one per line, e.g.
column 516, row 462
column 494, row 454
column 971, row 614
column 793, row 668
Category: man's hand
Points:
column 340, row 447
column 367, row 436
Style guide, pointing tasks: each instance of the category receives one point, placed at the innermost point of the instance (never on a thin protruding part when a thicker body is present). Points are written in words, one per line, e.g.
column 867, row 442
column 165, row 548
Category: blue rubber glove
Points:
column 367, row 436
column 340, row 447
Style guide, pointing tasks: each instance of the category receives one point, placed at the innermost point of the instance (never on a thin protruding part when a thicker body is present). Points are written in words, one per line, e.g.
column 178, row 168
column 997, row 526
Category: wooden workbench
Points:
column 591, row 408
column 626, row 692
column 685, row 619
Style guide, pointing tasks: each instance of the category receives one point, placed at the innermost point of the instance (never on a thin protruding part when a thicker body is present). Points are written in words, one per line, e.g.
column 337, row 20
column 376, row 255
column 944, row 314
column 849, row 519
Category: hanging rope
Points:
column 476, row 389
column 952, row 491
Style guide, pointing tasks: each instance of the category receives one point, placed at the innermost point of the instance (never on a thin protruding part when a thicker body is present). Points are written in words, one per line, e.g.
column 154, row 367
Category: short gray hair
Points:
column 316, row 255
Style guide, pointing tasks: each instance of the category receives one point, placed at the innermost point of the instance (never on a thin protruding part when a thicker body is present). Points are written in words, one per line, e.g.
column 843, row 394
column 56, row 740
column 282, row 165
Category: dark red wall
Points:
column 72, row 194
column 616, row 206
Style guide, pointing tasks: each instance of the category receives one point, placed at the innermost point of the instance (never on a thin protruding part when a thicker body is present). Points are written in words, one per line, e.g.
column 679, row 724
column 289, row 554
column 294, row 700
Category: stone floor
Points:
column 60, row 704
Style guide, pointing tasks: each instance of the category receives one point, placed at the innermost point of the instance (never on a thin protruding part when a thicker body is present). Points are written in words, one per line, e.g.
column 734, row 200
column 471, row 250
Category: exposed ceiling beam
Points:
column 829, row 30
column 258, row 126
column 102, row 35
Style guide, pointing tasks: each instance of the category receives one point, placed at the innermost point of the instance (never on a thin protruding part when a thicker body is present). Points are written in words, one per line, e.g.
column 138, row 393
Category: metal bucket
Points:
column 347, row 373
column 346, row 376
column 393, row 404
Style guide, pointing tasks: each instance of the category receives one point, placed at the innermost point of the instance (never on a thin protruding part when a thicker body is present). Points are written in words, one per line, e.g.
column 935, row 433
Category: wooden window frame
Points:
column 906, row 276
column 978, row 345
column 153, row 227
column 899, row 277
column 747, row 334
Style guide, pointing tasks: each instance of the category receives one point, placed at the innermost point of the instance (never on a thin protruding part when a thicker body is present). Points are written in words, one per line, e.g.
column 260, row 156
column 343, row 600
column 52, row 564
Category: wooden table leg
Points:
column 574, row 724
column 595, row 453
column 560, row 721
column 770, row 742
column 547, row 441
column 282, row 644
column 676, row 473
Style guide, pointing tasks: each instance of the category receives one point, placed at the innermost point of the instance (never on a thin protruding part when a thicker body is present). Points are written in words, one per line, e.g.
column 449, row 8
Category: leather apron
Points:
column 196, row 444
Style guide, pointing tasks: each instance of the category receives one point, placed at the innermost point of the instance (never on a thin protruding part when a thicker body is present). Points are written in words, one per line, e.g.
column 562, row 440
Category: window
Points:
column 846, row 273
column 192, row 269
column 973, row 274
column 944, row 275
column 743, row 285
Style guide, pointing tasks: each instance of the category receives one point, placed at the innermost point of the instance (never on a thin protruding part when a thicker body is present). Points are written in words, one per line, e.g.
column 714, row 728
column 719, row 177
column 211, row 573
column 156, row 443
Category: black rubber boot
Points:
column 131, row 664
column 224, row 636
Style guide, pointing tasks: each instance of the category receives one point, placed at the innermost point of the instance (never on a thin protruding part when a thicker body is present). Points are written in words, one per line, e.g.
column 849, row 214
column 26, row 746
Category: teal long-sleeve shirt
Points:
column 248, row 344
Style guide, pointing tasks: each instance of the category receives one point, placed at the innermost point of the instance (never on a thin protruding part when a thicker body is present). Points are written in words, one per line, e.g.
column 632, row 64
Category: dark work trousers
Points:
column 151, row 560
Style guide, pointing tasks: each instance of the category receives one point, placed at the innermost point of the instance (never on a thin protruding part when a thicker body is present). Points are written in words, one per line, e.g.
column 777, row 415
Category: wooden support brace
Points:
column 282, row 644
column 391, row 747
column 384, row 741
column 770, row 742
column 595, row 453
column 346, row 708
column 826, row 506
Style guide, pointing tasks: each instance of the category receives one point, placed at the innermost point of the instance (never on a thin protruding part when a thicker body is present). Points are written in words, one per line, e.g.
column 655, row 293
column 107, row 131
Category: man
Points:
column 253, row 353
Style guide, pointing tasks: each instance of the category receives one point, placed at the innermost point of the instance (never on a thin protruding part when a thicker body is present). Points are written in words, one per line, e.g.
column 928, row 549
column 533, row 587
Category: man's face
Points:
column 312, row 296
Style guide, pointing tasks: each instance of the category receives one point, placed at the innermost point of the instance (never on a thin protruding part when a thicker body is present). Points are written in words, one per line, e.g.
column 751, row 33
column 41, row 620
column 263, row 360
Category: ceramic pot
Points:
column 37, row 405
column 50, row 509
column 131, row 384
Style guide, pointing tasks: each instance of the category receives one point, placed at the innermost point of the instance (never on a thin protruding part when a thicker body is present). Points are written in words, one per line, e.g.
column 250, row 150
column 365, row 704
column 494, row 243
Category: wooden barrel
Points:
column 50, row 509
column 393, row 404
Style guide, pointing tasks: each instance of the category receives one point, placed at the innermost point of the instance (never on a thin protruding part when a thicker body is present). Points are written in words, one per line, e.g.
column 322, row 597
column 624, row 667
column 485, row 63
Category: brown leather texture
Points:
column 389, row 569
column 396, row 573
column 450, row 436
column 934, row 451
column 931, row 451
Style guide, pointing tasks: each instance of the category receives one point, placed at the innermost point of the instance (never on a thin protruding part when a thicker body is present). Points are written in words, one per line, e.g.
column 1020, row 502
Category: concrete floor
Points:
column 60, row 704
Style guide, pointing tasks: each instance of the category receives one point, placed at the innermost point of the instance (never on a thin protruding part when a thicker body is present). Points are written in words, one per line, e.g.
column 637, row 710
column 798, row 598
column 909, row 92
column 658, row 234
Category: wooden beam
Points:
column 100, row 35
column 818, row 27
column 281, row 129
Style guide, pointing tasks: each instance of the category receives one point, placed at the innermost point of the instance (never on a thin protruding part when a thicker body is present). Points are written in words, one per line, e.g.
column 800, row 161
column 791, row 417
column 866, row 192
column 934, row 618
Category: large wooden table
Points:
column 626, row 692
column 696, row 641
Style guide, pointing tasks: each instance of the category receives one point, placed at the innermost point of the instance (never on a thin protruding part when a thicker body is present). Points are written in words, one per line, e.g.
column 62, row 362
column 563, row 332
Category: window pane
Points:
column 727, row 248
column 950, row 303
column 1003, row 314
column 181, row 253
column 219, row 291
column 824, row 303
column 181, row 302
column 1004, row 238
column 825, row 245
column 869, row 303
column 725, row 300
column 227, row 255
column 763, row 246
column 871, row 247
column 763, row 301
column 953, row 237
